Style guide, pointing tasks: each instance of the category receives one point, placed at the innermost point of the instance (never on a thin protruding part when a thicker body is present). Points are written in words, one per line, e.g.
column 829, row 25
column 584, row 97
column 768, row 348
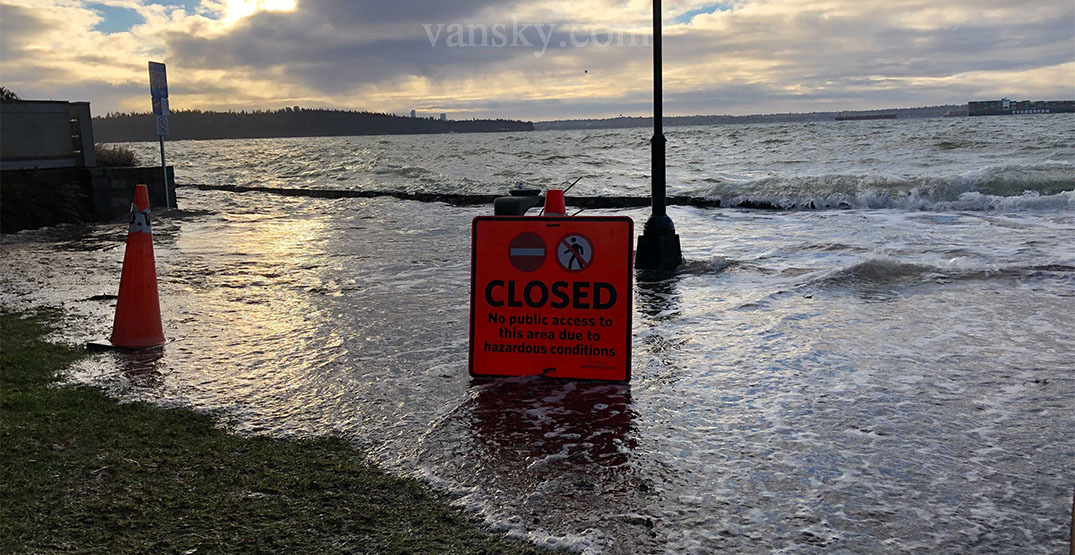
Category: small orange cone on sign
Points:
column 554, row 203
column 138, row 313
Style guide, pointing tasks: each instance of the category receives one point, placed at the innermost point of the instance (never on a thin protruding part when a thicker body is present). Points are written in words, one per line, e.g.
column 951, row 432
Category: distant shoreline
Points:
column 288, row 122
column 308, row 123
column 789, row 117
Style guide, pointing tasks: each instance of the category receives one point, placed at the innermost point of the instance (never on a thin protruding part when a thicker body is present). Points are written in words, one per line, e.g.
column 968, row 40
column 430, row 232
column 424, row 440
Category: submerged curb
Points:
column 475, row 199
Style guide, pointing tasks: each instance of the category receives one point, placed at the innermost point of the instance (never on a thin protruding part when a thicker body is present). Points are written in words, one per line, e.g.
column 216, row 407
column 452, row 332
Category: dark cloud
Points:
column 872, row 60
column 334, row 46
column 377, row 12
column 857, row 47
column 17, row 24
column 802, row 59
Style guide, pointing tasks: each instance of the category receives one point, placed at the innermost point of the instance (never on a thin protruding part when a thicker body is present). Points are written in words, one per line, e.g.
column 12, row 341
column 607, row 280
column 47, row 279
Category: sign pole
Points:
column 658, row 142
column 658, row 246
column 158, row 92
column 164, row 172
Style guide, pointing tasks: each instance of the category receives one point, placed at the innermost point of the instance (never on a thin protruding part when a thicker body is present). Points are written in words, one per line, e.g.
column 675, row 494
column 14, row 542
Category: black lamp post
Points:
column 658, row 246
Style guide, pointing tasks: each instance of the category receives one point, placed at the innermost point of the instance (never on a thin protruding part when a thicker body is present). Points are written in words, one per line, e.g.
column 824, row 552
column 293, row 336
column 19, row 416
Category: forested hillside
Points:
column 288, row 122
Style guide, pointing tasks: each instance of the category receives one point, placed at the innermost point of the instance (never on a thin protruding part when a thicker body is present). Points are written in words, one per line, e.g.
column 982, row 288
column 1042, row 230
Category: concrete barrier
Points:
column 43, row 197
column 48, row 172
column 42, row 134
column 111, row 189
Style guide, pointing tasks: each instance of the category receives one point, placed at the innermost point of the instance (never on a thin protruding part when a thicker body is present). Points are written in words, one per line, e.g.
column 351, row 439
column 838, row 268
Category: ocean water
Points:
column 896, row 375
column 948, row 163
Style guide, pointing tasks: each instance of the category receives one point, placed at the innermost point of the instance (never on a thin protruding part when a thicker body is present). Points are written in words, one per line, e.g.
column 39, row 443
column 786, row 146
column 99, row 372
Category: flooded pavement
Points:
column 859, row 380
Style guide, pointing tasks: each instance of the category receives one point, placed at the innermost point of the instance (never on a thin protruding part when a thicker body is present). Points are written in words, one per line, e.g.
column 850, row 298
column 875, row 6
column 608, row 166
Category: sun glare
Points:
column 235, row 10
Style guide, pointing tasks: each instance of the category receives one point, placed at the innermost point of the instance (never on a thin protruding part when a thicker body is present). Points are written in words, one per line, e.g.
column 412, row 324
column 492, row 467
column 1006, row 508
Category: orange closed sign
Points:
column 551, row 296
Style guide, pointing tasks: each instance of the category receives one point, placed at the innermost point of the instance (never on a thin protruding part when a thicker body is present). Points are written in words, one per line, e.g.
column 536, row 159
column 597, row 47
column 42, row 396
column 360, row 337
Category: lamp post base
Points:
column 658, row 246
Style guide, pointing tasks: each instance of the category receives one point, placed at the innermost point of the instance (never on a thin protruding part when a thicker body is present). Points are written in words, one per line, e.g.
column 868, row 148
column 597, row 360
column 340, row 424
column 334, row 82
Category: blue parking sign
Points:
column 158, row 80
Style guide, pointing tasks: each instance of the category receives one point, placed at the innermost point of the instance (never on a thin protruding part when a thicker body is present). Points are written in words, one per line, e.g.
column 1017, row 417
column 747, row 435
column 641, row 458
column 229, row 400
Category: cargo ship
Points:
column 1008, row 107
column 842, row 116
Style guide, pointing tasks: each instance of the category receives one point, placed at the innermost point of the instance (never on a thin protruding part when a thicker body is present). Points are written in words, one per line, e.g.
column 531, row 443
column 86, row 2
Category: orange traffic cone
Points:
column 138, row 312
column 554, row 203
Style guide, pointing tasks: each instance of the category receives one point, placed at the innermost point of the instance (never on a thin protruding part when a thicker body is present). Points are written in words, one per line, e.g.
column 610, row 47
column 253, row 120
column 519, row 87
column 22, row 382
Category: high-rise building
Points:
column 444, row 117
column 414, row 114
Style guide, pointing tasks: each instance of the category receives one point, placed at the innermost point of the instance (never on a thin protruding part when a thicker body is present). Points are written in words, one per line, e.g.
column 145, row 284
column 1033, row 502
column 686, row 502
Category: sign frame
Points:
column 565, row 231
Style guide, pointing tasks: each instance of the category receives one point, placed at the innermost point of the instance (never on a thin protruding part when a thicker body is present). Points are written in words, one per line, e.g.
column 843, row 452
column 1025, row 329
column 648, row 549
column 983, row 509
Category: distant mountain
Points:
column 622, row 121
column 288, row 122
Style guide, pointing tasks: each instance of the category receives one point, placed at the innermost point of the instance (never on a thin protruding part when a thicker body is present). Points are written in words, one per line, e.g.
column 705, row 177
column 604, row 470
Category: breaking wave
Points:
column 885, row 272
column 1010, row 188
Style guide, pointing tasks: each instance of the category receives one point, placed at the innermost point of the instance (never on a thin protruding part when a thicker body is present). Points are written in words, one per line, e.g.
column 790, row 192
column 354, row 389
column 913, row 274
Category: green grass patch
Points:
column 82, row 472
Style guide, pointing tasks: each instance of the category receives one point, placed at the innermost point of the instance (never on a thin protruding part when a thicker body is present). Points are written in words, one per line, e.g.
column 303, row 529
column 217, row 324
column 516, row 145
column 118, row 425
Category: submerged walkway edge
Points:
column 471, row 199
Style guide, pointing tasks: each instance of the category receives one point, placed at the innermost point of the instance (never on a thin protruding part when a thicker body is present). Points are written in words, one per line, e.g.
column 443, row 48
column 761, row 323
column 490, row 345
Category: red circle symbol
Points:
column 527, row 251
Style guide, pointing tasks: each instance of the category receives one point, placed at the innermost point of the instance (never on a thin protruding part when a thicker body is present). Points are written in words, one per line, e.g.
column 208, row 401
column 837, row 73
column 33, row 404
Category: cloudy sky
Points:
column 539, row 59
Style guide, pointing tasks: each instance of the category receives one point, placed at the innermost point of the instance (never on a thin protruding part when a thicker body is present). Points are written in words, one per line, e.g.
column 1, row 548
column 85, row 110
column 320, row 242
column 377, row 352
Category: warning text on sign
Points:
column 544, row 329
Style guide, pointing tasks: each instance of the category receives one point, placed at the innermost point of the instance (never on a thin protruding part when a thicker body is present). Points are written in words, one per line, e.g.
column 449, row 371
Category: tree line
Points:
column 286, row 122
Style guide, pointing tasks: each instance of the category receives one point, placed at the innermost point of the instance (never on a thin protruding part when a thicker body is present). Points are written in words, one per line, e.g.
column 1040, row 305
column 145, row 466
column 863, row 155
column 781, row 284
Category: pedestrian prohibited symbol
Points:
column 527, row 251
column 574, row 252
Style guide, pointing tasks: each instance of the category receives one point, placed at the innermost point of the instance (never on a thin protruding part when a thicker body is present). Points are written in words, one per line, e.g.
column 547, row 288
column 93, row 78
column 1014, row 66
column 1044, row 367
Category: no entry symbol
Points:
column 574, row 253
column 527, row 251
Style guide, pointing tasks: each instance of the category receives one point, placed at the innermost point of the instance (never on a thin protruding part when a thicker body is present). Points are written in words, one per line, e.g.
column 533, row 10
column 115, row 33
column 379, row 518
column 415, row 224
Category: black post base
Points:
column 658, row 252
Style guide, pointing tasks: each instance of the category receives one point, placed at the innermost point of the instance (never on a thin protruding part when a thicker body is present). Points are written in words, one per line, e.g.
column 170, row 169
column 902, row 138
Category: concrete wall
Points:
column 44, row 197
column 46, row 134
column 112, row 189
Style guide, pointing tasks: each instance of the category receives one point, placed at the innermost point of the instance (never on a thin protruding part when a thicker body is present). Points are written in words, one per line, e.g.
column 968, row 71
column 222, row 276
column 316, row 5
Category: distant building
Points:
column 414, row 114
column 444, row 117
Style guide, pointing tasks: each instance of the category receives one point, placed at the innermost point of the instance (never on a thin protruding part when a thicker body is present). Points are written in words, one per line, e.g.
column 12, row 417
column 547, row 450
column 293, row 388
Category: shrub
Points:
column 114, row 156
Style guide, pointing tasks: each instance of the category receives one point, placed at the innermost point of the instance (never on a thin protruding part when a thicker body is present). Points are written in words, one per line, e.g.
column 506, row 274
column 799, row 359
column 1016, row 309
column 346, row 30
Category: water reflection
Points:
column 560, row 455
column 553, row 422
column 142, row 369
column 139, row 374
column 658, row 295
column 658, row 305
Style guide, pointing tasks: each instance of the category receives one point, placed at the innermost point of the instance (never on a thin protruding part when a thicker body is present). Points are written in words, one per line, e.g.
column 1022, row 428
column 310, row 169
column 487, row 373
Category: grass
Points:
column 82, row 472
